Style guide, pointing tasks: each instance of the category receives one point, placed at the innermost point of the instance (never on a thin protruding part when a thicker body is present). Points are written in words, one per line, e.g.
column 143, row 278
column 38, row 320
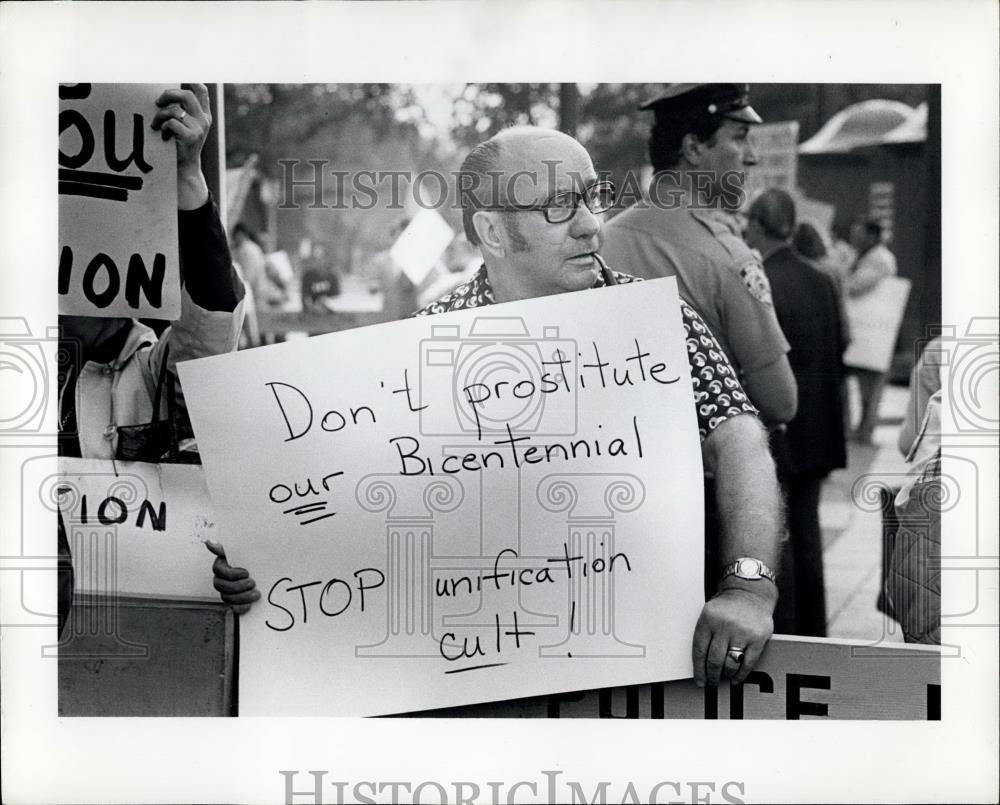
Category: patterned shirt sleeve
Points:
column 718, row 394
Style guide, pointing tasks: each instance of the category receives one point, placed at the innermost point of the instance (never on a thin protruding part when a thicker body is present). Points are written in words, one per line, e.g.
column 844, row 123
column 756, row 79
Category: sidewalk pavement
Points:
column 852, row 533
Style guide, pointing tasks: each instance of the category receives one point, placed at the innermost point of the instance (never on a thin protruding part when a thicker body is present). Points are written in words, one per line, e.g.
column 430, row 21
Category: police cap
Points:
column 729, row 101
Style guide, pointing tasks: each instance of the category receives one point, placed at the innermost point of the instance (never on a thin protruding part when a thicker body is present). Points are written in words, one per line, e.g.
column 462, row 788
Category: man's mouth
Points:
column 586, row 258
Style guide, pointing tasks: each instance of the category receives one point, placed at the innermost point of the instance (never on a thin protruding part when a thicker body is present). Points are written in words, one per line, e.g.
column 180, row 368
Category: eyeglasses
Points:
column 560, row 208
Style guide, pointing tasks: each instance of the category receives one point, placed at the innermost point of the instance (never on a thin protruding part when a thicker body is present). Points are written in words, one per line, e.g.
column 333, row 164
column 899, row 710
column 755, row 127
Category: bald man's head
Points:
column 525, row 205
column 507, row 169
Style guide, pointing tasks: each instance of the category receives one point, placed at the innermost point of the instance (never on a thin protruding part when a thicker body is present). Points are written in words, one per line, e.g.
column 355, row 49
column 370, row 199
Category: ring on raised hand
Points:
column 183, row 114
column 736, row 653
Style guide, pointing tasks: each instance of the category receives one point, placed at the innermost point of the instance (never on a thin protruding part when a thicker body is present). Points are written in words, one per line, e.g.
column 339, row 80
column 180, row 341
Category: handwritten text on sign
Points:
column 117, row 204
column 481, row 505
column 136, row 529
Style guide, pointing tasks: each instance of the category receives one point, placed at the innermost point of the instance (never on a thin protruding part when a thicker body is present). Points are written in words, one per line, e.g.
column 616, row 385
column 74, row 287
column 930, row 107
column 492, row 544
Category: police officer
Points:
column 699, row 149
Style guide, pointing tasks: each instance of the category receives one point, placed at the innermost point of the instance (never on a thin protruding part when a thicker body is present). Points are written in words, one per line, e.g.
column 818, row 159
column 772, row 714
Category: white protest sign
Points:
column 874, row 318
column 486, row 504
column 421, row 245
column 136, row 529
column 818, row 213
column 117, row 204
column 777, row 149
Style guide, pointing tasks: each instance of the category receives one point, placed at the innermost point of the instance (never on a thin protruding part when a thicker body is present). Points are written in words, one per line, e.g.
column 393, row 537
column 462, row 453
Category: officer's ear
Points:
column 488, row 229
column 692, row 149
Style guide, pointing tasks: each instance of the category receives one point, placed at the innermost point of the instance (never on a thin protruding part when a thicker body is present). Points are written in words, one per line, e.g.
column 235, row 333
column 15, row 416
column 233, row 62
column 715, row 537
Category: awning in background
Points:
column 875, row 122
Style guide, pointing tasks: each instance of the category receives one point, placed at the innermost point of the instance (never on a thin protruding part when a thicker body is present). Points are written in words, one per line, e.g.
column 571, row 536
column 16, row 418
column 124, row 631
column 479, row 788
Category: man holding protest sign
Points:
column 117, row 395
column 540, row 237
column 544, row 240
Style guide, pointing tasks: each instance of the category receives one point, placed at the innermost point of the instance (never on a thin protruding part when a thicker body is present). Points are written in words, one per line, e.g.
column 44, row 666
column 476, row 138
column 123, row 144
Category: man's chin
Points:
column 581, row 274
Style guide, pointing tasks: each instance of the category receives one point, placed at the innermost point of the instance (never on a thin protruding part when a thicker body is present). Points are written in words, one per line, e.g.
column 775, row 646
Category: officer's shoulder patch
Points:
column 753, row 276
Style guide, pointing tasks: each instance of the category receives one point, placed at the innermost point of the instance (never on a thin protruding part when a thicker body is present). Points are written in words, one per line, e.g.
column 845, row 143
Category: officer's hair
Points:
column 668, row 134
column 474, row 186
column 774, row 210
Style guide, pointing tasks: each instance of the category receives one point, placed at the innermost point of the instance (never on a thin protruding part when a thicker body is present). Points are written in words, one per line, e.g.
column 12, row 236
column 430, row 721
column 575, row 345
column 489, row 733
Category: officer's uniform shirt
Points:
column 717, row 274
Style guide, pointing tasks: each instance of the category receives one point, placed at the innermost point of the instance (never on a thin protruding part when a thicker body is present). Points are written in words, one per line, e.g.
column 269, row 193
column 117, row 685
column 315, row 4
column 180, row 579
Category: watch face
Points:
column 749, row 569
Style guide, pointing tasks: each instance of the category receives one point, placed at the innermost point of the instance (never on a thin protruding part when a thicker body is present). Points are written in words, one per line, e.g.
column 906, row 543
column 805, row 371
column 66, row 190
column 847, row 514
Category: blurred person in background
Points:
column 809, row 243
column 813, row 444
column 320, row 279
column 873, row 264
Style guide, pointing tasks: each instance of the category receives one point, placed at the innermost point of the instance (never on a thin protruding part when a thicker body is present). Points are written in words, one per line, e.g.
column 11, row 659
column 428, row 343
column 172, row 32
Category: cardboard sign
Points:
column 776, row 146
column 818, row 213
column 875, row 318
column 797, row 678
column 421, row 245
column 136, row 529
column 117, row 204
column 486, row 504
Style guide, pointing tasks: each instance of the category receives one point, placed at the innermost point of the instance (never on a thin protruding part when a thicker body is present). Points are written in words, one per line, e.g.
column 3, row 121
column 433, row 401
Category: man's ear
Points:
column 691, row 149
column 488, row 229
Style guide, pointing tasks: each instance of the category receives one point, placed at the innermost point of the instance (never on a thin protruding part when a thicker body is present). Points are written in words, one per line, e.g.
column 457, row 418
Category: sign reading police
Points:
column 118, row 253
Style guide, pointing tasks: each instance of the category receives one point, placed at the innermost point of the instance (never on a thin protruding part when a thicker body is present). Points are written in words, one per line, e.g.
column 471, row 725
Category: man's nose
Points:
column 749, row 154
column 585, row 223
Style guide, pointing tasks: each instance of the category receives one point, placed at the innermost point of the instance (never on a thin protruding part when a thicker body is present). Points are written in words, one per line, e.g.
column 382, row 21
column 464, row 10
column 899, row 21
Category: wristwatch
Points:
column 750, row 569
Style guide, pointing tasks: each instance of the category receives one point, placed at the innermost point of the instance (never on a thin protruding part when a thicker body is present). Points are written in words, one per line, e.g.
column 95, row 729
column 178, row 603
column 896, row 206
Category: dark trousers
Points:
column 801, row 606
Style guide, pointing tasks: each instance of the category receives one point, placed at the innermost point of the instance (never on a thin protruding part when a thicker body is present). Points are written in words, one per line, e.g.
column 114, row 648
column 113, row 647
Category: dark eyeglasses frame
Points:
column 589, row 197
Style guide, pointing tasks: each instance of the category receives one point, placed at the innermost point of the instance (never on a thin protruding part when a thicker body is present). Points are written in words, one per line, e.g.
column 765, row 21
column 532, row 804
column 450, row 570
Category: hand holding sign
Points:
column 184, row 115
column 233, row 583
column 734, row 619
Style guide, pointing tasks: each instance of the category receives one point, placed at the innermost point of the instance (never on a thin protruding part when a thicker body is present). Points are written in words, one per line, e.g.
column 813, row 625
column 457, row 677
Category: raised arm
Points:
column 211, row 311
column 183, row 115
